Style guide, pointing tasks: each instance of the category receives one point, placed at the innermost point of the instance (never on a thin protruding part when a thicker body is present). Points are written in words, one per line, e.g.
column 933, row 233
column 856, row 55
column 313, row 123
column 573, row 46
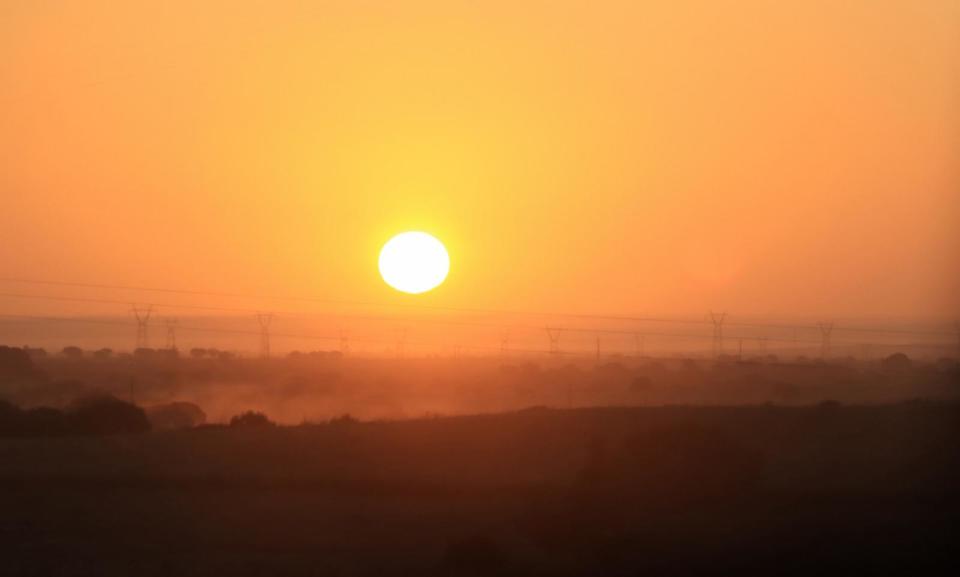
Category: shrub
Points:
column 178, row 415
column 251, row 419
column 106, row 415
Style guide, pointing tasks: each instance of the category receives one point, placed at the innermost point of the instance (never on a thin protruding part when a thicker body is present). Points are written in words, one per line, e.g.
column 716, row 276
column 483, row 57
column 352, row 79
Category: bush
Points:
column 179, row 415
column 252, row 420
column 896, row 363
column 106, row 415
column 72, row 352
column 16, row 364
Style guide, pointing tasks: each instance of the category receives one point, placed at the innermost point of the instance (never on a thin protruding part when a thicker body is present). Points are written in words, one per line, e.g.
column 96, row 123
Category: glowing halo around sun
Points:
column 414, row 262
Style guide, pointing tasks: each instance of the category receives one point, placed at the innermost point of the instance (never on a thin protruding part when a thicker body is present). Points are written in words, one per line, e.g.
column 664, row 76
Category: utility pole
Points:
column 171, row 333
column 826, row 328
column 554, row 335
column 264, row 320
column 142, row 314
column 504, row 341
column 717, row 319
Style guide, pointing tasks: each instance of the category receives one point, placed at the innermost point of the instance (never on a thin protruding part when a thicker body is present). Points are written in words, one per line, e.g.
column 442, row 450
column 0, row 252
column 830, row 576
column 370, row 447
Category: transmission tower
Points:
column 717, row 319
column 171, row 333
column 344, row 343
column 554, row 335
column 825, row 329
column 142, row 314
column 504, row 342
column 264, row 320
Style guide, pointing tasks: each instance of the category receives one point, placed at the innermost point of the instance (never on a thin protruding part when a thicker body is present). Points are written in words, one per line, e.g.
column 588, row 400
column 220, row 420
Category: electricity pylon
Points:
column 504, row 342
column 344, row 343
column 717, row 319
column 825, row 329
column 142, row 315
column 171, row 333
column 554, row 335
column 264, row 320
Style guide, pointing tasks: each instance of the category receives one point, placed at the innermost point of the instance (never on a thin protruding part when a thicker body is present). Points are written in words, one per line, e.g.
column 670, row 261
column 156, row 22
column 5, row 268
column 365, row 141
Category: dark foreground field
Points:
column 645, row 491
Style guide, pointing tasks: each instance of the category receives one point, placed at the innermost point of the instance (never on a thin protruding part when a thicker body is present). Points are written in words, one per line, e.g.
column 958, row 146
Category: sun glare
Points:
column 414, row 262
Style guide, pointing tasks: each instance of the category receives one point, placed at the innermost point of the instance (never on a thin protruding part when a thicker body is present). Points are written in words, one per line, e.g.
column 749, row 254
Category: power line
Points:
column 622, row 318
column 307, row 336
column 300, row 336
column 296, row 314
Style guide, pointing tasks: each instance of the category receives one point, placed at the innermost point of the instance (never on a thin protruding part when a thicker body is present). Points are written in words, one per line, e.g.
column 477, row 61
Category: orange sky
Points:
column 761, row 157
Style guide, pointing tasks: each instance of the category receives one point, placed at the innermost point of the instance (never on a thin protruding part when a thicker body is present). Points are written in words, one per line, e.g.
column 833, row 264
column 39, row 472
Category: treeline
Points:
column 97, row 415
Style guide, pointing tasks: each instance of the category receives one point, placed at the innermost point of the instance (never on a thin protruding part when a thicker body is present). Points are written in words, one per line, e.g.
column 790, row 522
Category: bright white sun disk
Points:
column 414, row 262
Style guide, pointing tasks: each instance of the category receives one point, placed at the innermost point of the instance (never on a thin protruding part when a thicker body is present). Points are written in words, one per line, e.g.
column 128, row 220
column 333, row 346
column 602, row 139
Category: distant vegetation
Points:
column 319, row 385
column 690, row 467
column 98, row 415
column 251, row 420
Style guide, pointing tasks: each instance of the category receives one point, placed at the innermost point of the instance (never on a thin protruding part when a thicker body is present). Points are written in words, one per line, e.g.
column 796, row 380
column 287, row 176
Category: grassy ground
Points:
column 684, row 491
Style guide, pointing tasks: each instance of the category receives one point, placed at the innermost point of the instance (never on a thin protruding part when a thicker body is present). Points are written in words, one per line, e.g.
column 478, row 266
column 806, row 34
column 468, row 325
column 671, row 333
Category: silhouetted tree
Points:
column 251, row 419
column 107, row 415
column 897, row 362
column 52, row 393
column 143, row 354
column 103, row 354
column 16, row 364
column 10, row 419
column 45, row 422
column 72, row 352
column 167, row 354
column 344, row 420
column 198, row 353
column 178, row 415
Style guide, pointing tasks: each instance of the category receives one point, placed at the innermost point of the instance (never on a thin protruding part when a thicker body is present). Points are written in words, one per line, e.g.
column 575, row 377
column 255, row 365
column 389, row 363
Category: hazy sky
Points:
column 759, row 157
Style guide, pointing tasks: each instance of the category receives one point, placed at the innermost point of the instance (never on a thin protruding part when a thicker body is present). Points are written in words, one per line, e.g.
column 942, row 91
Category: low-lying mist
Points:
column 314, row 387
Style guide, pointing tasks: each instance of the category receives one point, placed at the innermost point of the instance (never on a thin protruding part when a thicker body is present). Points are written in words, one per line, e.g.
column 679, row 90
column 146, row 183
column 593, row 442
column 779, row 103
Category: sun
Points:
column 414, row 262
